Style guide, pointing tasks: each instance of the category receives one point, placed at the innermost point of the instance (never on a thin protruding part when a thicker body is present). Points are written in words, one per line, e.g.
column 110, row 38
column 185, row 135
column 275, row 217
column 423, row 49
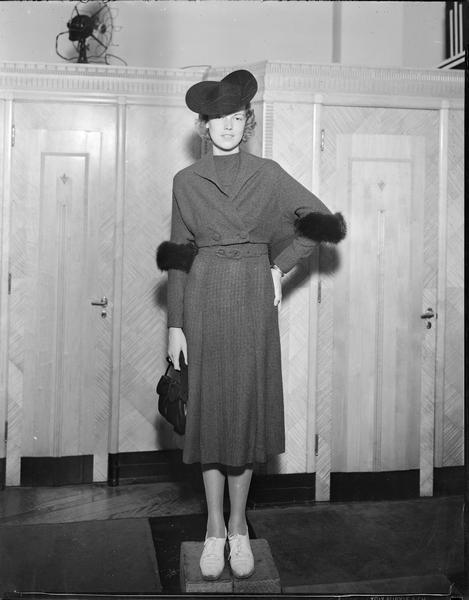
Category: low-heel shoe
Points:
column 212, row 561
column 241, row 558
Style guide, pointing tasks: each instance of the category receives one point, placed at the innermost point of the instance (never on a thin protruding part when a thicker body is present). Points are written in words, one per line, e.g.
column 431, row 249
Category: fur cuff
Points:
column 321, row 227
column 170, row 255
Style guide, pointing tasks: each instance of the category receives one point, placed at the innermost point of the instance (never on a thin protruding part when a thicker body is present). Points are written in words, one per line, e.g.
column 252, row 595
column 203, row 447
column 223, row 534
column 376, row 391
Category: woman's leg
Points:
column 239, row 481
column 241, row 557
column 214, row 483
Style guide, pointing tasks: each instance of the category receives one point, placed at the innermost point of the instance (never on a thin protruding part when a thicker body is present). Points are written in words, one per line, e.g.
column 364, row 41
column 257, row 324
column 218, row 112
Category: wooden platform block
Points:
column 265, row 577
column 191, row 577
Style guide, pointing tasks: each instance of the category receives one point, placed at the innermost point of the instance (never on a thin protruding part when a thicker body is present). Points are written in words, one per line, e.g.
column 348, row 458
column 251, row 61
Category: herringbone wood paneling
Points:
column 453, row 410
column 324, row 394
column 160, row 141
column 292, row 148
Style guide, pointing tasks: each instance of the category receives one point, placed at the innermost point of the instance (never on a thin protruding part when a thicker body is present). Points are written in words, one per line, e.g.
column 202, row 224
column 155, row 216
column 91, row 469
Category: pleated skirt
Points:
column 235, row 407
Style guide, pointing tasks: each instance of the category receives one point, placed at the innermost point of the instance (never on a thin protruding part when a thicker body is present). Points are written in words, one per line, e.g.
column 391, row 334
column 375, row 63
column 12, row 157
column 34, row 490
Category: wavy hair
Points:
column 249, row 126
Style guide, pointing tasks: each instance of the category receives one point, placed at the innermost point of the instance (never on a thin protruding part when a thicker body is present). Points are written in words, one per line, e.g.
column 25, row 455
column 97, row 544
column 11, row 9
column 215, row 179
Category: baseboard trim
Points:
column 385, row 485
column 288, row 488
column 449, row 481
column 55, row 471
column 291, row 488
column 3, row 472
column 149, row 466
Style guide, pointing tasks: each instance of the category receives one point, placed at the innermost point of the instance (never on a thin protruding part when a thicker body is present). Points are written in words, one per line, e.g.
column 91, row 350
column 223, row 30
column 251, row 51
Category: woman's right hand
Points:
column 176, row 344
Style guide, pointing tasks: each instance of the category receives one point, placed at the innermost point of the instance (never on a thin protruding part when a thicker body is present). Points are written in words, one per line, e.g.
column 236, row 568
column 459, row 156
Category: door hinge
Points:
column 323, row 139
column 316, row 444
column 319, row 291
column 13, row 135
column 6, row 431
column 9, row 283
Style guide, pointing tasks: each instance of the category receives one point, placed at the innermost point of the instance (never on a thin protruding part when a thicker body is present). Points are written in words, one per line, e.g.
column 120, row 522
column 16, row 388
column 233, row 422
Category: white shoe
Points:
column 241, row 558
column 212, row 561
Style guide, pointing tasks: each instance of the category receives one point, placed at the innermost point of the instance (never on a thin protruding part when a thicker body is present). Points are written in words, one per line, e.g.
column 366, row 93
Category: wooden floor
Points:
column 21, row 505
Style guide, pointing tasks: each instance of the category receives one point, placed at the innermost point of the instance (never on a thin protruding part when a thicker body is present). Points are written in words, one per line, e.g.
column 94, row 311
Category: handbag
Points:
column 172, row 392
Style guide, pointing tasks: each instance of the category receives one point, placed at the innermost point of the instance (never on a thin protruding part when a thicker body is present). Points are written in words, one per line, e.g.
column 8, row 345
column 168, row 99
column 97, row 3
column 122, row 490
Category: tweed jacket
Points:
column 263, row 204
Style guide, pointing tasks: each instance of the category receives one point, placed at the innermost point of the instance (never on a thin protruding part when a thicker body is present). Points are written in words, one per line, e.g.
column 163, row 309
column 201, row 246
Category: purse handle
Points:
column 170, row 364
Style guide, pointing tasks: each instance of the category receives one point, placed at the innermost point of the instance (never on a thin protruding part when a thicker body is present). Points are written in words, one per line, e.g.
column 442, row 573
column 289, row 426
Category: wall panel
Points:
column 5, row 111
column 452, row 434
column 160, row 140
column 292, row 145
column 61, row 259
column 377, row 455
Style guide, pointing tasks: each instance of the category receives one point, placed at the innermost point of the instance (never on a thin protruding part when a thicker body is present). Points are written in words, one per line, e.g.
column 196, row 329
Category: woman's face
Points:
column 227, row 132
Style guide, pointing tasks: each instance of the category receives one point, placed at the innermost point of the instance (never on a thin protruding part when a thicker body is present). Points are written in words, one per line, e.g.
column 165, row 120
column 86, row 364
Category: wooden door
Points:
column 379, row 386
column 59, row 346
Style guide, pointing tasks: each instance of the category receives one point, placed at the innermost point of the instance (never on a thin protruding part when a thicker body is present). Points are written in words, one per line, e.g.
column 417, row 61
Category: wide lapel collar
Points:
column 248, row 166
column 205, row 167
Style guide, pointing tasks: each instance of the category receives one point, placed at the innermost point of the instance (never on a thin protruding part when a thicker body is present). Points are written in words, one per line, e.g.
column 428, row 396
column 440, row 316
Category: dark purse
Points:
column 172, row 392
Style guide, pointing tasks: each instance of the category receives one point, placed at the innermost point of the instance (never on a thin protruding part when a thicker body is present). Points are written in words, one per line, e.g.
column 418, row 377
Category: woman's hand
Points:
column 176, row 344
column 276, row 277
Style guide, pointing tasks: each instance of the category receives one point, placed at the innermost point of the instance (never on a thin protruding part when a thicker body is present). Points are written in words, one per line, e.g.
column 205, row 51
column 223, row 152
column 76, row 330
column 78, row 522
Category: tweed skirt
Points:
column 235, row 405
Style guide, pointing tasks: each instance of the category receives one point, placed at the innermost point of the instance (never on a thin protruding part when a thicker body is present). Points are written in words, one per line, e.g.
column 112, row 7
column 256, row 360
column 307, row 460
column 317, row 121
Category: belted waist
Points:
column 235, row 251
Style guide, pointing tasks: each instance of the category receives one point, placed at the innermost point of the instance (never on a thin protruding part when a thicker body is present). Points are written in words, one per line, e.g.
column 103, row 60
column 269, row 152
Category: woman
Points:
column 230, row 209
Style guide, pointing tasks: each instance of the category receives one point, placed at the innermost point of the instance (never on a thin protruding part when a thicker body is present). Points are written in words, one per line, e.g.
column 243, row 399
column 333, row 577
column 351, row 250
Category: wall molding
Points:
column 281, row 79
column 98, row 80
column 277, row 81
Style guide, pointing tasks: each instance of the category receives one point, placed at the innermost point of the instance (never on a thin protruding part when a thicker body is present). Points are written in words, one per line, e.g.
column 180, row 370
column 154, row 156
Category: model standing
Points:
column 229, row 209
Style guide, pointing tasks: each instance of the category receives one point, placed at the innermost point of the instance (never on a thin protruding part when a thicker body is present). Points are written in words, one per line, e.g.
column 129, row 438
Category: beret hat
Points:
column 218, row 98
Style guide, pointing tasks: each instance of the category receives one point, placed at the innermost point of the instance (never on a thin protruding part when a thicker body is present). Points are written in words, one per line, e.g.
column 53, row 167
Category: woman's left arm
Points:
column 306, row 218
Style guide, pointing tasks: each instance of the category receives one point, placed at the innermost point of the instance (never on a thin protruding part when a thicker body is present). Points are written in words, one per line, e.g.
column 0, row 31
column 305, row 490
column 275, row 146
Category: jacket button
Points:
column 216, row 237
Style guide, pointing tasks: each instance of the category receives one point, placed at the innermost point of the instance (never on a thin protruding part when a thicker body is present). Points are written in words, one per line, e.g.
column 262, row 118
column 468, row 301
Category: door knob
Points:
column 429, row 314
column 102, row 302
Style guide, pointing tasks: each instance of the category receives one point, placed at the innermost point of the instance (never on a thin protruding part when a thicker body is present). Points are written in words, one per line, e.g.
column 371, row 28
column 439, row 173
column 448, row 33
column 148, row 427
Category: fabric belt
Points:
column 236, row 251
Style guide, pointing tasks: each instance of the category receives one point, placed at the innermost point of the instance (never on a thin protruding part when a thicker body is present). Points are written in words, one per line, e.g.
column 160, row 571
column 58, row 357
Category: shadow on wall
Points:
column 327, row 264
column 193, row 147
column 160, row 292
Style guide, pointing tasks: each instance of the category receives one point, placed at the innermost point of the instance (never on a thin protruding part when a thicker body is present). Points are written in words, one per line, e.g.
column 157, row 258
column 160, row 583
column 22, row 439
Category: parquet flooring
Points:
column 21, row 505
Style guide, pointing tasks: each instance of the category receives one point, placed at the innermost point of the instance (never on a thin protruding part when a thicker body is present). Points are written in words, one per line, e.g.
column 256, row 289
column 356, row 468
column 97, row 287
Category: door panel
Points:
column 378, row 167
column 377, row 366
column 59, row 343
